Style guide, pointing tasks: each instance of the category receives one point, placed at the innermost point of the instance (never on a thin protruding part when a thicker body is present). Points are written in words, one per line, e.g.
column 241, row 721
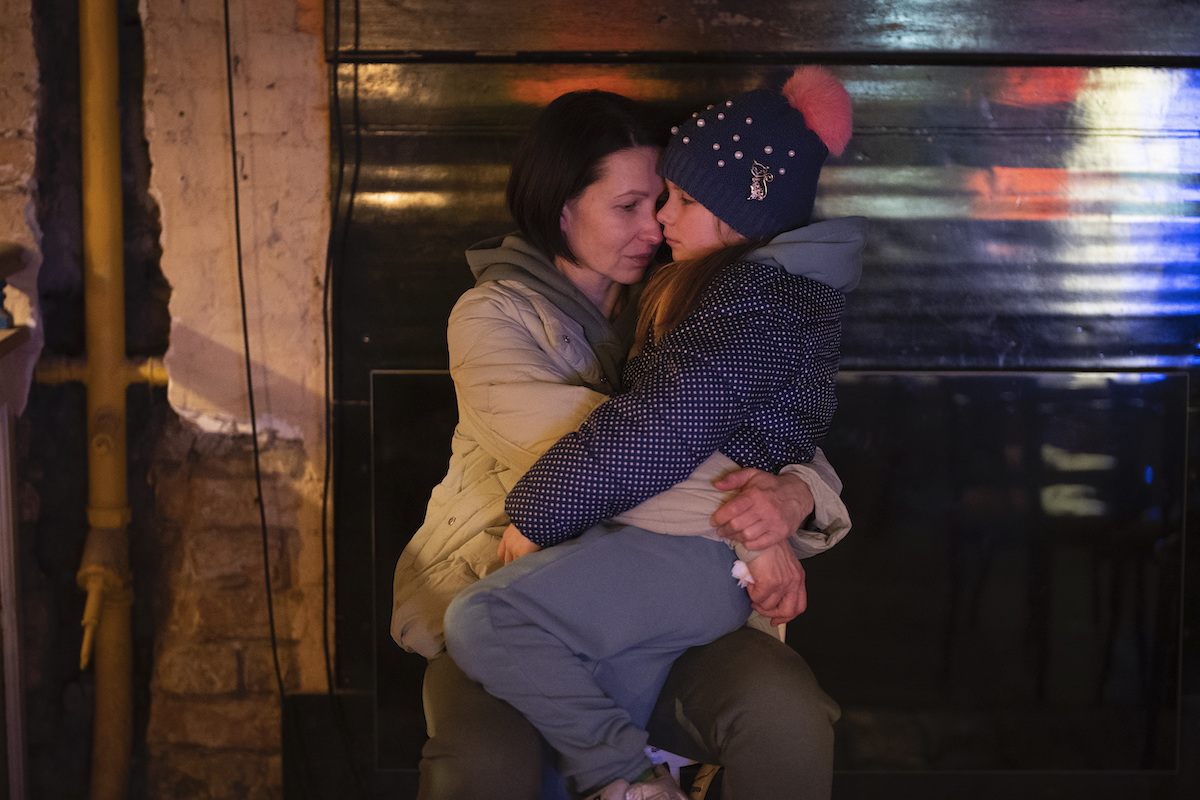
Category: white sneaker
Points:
column 661, row 787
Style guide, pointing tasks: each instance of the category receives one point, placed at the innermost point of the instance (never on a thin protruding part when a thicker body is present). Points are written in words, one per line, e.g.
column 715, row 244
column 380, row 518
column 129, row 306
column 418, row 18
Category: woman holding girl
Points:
column 738, row 354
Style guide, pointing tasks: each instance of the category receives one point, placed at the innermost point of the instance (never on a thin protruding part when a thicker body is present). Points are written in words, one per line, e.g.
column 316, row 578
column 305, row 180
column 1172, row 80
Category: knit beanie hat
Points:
column 753, row 161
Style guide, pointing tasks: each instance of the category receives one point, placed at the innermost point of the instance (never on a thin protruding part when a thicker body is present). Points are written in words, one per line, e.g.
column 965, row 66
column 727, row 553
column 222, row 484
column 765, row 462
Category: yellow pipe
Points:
column 150, row 370
column 104, row 300
column 104, row 572
column 56, row 370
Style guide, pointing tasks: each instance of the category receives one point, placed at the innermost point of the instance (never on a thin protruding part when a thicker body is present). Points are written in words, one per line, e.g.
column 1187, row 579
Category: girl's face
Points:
column 692, row 230
column 610, row 227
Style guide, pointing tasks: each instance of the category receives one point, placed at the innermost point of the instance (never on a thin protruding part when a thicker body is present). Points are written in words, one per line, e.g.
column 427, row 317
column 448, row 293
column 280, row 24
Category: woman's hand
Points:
column 778, row 591
column 766, row 510
column 513, row 545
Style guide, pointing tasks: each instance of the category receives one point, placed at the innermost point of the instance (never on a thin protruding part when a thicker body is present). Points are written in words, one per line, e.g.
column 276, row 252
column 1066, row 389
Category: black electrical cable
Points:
column 237, row 231
column 262, row 512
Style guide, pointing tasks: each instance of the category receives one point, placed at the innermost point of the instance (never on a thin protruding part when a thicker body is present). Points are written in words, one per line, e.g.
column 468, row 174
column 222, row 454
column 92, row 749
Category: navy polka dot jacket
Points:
column 750, row 373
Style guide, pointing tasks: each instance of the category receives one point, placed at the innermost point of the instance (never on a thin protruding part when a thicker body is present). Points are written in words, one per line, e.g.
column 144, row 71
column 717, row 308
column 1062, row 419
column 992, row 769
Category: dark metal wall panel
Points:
column 1000, row 625
column 1115, row 28
column 1021, row 217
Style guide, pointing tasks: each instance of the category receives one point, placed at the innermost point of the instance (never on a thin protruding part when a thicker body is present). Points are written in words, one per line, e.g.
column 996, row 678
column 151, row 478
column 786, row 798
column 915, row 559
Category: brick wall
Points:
column 214, row 717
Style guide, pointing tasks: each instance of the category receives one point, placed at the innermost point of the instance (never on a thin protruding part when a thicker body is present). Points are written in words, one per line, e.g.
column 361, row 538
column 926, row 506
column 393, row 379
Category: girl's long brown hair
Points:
column 675, row 289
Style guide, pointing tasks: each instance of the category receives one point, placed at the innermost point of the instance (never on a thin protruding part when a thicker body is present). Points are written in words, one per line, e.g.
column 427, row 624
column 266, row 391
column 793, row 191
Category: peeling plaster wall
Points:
column 280, row 105
column 281, row 110
column 18, row 108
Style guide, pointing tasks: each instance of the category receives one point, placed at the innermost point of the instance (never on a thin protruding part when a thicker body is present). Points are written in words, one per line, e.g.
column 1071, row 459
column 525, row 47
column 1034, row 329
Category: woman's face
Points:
column 691, row 230
column 610, row 227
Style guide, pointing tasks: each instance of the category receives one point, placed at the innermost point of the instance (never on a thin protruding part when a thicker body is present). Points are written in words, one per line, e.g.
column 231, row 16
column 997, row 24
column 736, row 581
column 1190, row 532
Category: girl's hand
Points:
column 513, row 545
column 766, row 510
column 778, row 591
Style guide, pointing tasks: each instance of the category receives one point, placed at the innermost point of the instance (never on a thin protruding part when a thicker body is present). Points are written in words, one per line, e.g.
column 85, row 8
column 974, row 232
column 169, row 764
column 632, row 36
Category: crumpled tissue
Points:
column 741, row 573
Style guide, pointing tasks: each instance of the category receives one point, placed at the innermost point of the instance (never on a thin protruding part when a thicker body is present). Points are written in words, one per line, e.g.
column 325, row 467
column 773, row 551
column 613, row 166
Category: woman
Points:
column 739, row 351
column 534, row 348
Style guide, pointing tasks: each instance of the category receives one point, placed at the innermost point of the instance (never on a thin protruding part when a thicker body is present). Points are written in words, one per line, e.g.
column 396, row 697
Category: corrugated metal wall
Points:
column 1030, row 300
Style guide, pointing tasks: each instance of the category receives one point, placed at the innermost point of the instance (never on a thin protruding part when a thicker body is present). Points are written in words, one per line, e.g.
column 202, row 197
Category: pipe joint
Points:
column 104, row 575
column 108, row 594
column 105, row 553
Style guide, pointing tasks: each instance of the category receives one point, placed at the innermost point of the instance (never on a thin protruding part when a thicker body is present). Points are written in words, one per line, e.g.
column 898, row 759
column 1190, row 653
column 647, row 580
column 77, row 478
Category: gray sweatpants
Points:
column 580, row 638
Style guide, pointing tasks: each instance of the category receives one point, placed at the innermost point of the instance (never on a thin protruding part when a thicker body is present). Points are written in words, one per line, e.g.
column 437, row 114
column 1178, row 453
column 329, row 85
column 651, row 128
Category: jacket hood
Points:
column 513, row 258
column 829, row 252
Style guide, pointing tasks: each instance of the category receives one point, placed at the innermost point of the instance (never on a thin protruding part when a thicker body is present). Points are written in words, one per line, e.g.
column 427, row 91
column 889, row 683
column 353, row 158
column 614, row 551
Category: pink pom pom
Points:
column 825, row 104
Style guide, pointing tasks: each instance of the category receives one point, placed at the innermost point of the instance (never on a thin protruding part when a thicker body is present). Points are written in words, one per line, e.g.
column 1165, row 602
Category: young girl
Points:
column 739, row 355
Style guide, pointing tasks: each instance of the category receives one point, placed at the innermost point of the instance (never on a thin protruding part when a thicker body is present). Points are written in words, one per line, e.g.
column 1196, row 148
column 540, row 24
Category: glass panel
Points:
column 1009, row 597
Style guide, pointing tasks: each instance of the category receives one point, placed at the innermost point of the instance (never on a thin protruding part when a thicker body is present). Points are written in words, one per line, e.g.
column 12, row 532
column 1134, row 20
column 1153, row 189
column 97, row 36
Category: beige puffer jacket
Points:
column 520, row 370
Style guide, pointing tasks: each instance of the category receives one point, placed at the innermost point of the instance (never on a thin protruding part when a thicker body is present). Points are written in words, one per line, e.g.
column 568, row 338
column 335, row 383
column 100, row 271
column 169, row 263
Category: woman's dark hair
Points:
column 559, row 158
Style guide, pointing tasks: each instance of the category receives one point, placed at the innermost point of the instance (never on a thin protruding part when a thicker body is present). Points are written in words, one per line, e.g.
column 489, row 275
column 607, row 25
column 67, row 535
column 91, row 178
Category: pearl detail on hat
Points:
column 738, row 154
column 687, row 139
column 716, row 146
column 674, row 129
column 721, row 115
column 721, row 162
column 699, row 123
column 768, row 149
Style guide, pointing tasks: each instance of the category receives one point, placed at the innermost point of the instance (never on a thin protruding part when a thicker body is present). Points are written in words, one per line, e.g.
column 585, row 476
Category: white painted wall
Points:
column 280, row 102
